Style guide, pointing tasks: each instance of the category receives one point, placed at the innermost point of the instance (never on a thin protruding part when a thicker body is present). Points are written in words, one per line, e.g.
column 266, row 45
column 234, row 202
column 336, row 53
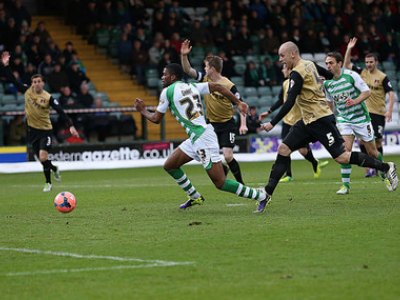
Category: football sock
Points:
column 363, row 160
column 310, row 157
column 363, row 149
column 345, row 172
column 234, row 187
column 46, row 170
column 277, row 171
column 226, row 169
column 184, row 182
column 380, row 150
column 235, row 169
column 289, row 168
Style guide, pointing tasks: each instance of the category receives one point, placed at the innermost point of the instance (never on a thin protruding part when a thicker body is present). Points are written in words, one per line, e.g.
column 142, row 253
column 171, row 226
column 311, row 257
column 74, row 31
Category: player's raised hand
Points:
column 352, row 43
column 185, row 47
column 5, row 58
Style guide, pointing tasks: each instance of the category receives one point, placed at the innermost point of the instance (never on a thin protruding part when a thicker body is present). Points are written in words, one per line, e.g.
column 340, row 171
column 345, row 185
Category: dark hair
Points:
column 336, row 55
column 37, row 76
column 175, row 69
column 215, row 61
column 374, row 55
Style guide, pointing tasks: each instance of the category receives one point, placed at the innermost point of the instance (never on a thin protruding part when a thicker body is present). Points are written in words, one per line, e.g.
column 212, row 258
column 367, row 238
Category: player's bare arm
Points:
column 362, row 97
column 388, row 114
column 347, row 57
column 154, row 117
column 187, row 68
column 214, row 87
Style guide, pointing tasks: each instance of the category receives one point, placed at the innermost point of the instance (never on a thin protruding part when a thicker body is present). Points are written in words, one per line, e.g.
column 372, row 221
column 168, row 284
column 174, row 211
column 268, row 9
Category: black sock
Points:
column 310, row 157
column 380, row 149
column 46, row 170
column 226, row 169
column 235, row 169
column 278, row 169
column 363, row 160
column 363, row 149
column 289, row 168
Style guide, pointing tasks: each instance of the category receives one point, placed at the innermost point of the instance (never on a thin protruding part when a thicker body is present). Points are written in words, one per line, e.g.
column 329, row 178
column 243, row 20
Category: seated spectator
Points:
column 267, row 73
column 17, row 65
column 98, row 122
column 57, row 79
column 68, row 98
column 229, row 65
column 76, row 60
column 46, row 67
column 251, row 77
column 76, row 77
column 155, row 53
column 140, row 59
column 252, row 121
column 124, row 52
column 17, row 132
column 30, row 70
column 85, row 99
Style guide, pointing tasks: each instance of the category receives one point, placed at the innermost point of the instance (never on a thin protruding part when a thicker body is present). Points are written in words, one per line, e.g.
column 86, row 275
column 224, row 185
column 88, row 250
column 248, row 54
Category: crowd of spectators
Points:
column 152, row 31
column 34, row 51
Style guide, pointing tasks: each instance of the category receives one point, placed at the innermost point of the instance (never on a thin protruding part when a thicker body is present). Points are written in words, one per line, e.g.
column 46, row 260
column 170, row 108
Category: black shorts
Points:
column 226, row 133
column 378, row 124
column 39, row 139
column 285, row 130
column 323, row 130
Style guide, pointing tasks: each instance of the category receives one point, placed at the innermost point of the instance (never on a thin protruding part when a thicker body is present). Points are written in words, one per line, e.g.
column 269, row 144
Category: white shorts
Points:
column 363, row 131
column 205, row 149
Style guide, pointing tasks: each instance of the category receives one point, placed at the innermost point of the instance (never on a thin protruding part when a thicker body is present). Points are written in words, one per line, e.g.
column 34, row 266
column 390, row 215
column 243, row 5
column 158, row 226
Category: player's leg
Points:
column 298, row 137
column 180, row 156
column 289, row 174
column 216, row 174
column 345, row 169
column 226, row 139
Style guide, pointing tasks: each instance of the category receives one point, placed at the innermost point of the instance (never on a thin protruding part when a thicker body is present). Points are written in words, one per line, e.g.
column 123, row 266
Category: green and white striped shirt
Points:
column 348, row 85
column 183, row 99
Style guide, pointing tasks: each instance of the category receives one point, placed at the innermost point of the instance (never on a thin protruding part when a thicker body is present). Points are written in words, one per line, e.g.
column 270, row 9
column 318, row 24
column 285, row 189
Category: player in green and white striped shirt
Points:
column 347, row 92
column 183, row 99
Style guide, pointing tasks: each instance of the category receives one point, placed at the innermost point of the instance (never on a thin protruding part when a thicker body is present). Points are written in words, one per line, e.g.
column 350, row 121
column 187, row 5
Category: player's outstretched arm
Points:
column 347, row 57
column 154, row 117
column 214, row 87
column 187, row 68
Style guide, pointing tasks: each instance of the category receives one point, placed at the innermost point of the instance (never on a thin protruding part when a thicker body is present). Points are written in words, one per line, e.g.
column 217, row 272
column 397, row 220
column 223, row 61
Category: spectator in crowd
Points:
column 140, row 59
column 124, row 52
column 68, row 51
column 267, row 73
column 57, row 79
column 76, row 77
column 155, row 53
column 46, row 67
column 98, row 122
column 30, row 70
column 17, row 133
column 68, row 98
column 252, row 121
column 85, row 99
column 251, row 76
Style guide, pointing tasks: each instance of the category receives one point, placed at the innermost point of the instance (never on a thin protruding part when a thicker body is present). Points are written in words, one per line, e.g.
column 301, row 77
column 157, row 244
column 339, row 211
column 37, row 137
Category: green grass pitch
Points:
column 127, row 238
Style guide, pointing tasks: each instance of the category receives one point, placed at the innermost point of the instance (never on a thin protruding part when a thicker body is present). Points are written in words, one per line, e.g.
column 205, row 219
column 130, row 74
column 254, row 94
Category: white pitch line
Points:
column 235, row 204
column 56, row 271
column 82, row 256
